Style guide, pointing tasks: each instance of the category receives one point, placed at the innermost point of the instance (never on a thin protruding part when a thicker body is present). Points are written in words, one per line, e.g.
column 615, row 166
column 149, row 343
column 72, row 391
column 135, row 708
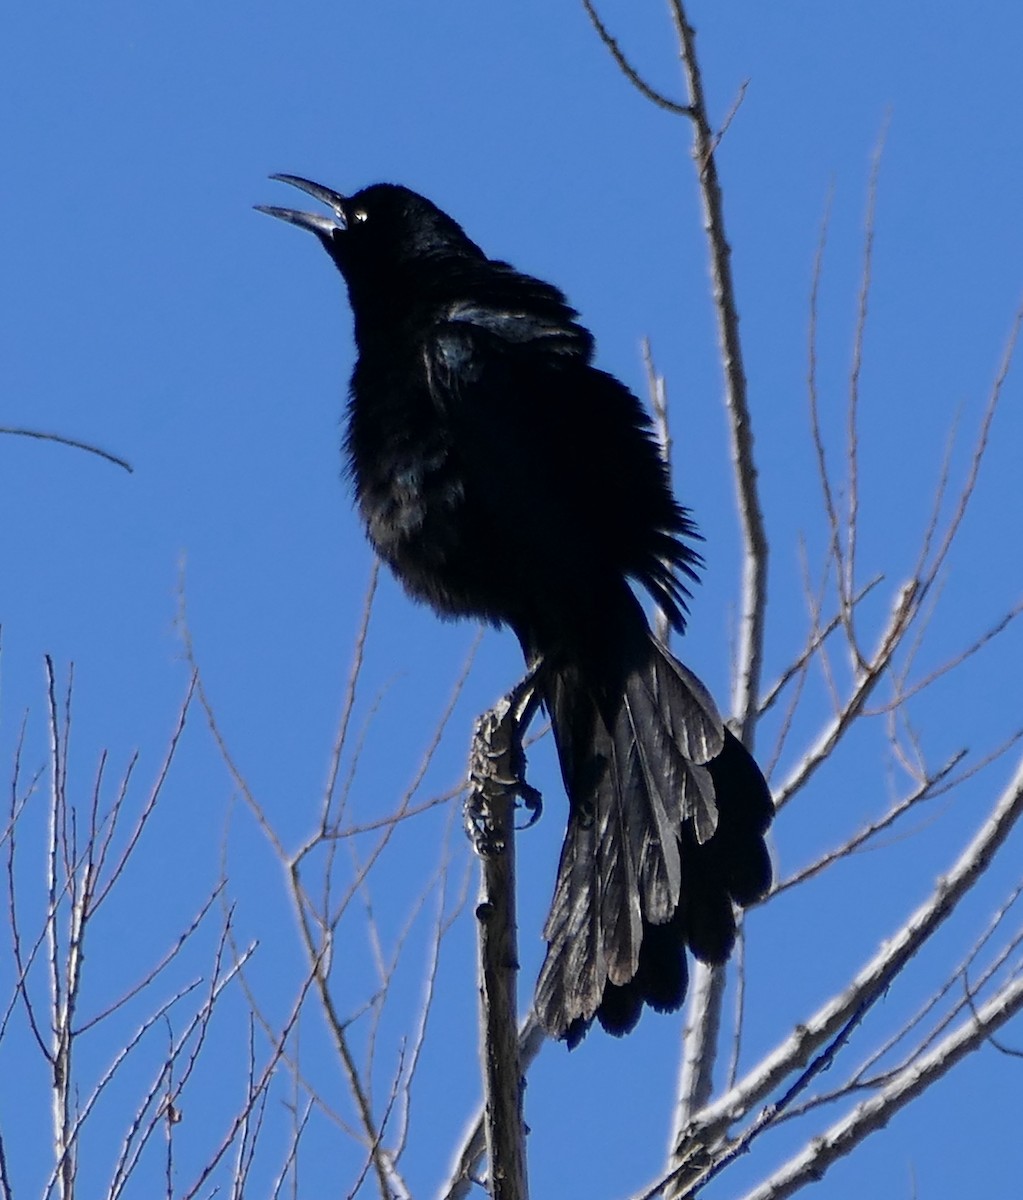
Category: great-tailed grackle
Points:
column 502, row 476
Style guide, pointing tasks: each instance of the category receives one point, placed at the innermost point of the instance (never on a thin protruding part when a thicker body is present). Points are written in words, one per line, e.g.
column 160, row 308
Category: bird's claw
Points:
column 532, row 802
column 497, row 770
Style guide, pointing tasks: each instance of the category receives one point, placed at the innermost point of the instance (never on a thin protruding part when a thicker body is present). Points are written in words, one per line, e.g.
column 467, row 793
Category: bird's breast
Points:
column 411, row 491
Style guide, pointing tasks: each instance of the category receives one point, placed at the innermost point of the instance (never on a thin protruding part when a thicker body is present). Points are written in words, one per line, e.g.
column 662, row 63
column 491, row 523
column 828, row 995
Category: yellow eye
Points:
column 360, row 215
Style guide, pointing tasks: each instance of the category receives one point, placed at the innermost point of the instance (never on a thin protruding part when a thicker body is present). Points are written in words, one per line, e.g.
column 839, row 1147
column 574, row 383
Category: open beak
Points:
column 323, row 227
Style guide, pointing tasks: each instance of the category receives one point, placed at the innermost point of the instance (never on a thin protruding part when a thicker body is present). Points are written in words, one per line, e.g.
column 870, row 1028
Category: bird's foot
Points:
column 532, row 802
column 497, row 769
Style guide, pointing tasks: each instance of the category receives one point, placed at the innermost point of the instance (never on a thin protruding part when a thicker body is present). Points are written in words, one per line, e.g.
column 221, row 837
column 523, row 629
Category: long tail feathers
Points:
column 666, row 830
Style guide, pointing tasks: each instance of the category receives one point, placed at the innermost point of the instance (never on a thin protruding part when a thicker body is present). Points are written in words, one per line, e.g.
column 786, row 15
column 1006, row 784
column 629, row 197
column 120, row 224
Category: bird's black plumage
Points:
column 502, row 476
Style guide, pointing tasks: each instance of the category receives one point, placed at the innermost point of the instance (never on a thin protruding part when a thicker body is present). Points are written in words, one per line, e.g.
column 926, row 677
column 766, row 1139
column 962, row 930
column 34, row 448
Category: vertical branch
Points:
column 704, row 1019
column 60, row 1000
column 462, row 1178
column 6, row 1191
column 699, row 1045
column 847, row 572
column 746, row 686
column 170, row 1113
column 495, row 774
column 848, row 586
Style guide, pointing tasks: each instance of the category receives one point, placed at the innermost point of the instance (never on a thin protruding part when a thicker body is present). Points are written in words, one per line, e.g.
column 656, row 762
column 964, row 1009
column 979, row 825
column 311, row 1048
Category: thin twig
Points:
column 354, row 673
column 168, row 957
column 66, row 441
column 629, row 71
column 847, row 580
column 817, row 637
column 923, row 791
column 914, row 689
column 731, row 114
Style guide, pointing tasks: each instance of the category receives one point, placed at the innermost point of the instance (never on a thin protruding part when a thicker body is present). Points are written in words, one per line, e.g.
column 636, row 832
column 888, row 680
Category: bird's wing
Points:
column 566, row 448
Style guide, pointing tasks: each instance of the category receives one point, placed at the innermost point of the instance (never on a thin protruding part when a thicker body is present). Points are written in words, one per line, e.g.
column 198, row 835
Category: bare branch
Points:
column 66, row 441
column 657, row 389
column 253, row 1112
column 463, row 1176
column 754, row 590
column 961, row 974
column 7, row 1192
column 319, row 957
column 847, row 580
column 705, row 1006
column 872, row 979
column 861, row 1080
column 904, row 693
column 875, row 1113
column 64, row 960
column 700, row 1040
column 397, row 818
column 154, row 795
column 115, row 1065
column 159, row 1094
column 355, row 670
column 979, row 765
column 261, row 1085
column 994, row 1042
column 291, row 1160
column 443, row 924
column 923, row 791
column 22, row 963
column 696, row 1174
column 629, row 71
column 902, row 612
column 740, row 1002
column 376, row 1149
column 732, row 113
column 929, row 573
column 168, row 957
column 495, row 774
column 816, row 434
column 818, row 636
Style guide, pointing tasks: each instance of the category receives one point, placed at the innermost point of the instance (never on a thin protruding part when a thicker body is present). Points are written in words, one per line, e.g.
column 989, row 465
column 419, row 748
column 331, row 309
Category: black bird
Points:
column 502, row 476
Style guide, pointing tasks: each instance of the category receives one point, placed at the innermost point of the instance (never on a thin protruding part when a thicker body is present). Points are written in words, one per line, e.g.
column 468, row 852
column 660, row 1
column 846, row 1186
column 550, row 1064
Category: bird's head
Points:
column 380, row 238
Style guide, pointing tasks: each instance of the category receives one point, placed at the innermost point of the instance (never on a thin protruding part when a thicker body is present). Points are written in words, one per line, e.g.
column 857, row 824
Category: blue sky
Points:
column 147, row 309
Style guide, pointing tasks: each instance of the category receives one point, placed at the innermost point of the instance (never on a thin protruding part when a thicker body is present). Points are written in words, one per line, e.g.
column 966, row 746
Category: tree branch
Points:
column 66, row 441
column 754, row 592
column 711, row 1125
column 875, row 1113
column 629, row 71
column 495, row 779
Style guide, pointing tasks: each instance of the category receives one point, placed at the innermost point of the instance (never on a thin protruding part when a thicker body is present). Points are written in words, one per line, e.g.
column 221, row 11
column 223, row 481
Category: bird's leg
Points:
column 525, row 698
column 497, row 763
